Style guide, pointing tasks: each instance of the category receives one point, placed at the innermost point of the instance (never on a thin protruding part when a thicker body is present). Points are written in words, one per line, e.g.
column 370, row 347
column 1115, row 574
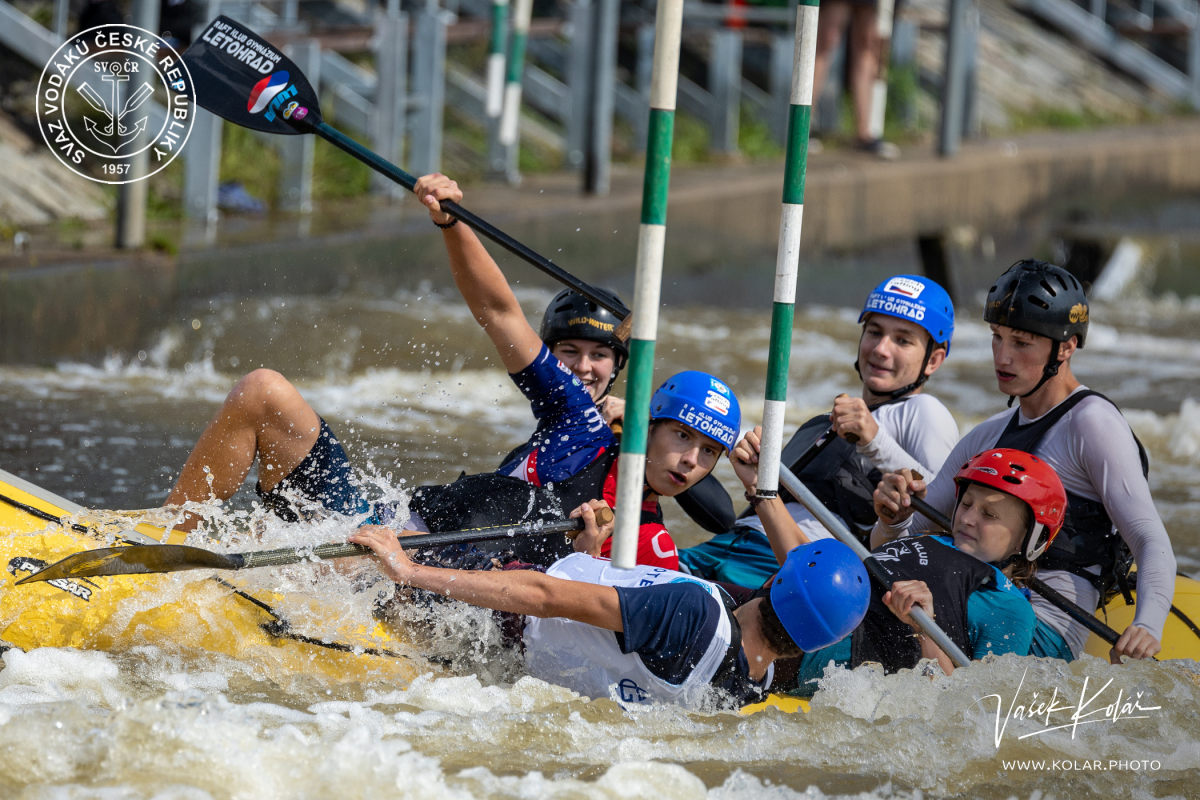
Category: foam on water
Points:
column 138, row 726
column 417, row 395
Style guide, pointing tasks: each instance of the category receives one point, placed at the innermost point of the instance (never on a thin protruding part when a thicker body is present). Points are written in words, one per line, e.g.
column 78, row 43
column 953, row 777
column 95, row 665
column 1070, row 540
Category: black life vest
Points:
column 706, row 502
column 952, row 576
column 477, row 501
column 840, row 478
column 1088, row 538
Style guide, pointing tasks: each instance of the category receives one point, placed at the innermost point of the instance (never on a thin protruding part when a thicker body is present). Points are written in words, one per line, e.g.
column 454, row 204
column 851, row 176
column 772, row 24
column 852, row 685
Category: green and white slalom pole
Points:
column 787, row 258
column 522, row 12
column 495, row 62
column 664, row 80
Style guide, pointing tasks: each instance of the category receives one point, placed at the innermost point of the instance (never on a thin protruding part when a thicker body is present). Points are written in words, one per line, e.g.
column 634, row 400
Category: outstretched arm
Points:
column 480, row 280
column 525, row 592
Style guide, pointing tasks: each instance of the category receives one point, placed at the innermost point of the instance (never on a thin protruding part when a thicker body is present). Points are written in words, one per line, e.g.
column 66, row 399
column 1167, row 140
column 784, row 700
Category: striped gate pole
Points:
column 668, row 27
column 495, row 61
column 522, row 12
column 788, row 256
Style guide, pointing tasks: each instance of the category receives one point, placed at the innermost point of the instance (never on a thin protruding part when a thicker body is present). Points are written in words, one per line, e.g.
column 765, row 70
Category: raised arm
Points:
column 525, row 592
column 479, row 279
column 782, row 531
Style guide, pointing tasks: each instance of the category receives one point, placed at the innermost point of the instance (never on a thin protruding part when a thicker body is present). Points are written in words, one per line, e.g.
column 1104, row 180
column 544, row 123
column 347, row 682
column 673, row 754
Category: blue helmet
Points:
column 701, row 402
column 820, row 594
column 916, row 299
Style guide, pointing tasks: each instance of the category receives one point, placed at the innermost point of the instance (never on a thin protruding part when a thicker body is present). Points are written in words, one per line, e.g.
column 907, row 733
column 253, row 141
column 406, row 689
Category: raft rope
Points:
column 280, row 628
column 44, row 515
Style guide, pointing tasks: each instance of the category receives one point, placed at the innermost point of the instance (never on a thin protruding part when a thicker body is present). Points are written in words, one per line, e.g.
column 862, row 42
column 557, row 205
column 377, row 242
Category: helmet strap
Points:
column 1048, row 371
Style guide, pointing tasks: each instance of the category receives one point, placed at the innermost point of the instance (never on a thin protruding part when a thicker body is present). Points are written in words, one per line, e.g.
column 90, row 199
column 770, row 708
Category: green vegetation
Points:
column 1056, row 117
column 249, row 159
column 70, row 231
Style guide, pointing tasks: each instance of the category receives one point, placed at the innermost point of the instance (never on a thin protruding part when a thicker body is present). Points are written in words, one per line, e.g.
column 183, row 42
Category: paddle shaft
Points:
column 228, row 81
column 390, row 170
column 292, row 555
column 843, row 534
column 824, row 440
column 164, row 558
column 1052, row 595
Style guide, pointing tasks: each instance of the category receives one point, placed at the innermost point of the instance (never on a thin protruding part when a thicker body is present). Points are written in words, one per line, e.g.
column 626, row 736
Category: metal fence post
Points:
column 201, row 173
column 131, row 197
column 970, row 110
column 954, row 79
column 597, row 167
column 429, row 85
column 387, row 121
column 904, row 59
column 579, row 80
column 1193, row 57
column 641, row 82
column 62, row 10
column 202, row 165
column 296, row 153
column 724, row 83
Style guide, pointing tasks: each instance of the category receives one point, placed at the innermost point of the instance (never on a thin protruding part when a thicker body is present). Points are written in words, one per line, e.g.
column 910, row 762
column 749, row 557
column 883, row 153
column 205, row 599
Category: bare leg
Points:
column 863, row 50
column 263, row 415
column 831, row 22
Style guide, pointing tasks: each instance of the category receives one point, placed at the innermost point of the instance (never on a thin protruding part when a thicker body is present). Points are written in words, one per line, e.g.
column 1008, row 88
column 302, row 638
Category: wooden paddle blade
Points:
column 135, row 560
column 242, row 78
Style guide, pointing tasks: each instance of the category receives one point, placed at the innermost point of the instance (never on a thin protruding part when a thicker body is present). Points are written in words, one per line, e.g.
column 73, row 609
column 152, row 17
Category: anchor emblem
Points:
column 115, row 134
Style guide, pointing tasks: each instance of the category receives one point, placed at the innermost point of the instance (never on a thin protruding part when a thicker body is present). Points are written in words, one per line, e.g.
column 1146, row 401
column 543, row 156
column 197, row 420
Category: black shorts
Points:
column 324, row 478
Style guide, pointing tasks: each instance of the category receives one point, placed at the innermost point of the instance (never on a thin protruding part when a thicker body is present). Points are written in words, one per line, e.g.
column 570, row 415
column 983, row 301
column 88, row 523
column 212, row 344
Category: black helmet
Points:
column 570, row 315
column 1039, row 298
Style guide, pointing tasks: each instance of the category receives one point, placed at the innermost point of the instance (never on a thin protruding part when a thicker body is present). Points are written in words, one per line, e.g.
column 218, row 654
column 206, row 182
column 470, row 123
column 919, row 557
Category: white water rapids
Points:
column 406, row 381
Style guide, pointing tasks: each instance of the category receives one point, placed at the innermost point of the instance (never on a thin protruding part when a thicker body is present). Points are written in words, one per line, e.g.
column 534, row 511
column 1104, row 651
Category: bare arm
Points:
column 782, row 531
column 480, row 280
column 517, row 591
column 901, row 599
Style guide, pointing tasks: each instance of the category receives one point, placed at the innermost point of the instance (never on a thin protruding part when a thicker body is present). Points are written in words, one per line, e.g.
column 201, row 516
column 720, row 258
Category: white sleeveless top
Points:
column 588, row 659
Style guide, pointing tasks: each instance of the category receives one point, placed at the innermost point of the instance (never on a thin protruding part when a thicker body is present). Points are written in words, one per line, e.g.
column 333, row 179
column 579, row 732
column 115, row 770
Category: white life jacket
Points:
column 588, row 659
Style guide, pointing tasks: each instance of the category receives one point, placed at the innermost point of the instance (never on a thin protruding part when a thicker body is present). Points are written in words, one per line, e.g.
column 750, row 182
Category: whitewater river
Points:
column 403, row 374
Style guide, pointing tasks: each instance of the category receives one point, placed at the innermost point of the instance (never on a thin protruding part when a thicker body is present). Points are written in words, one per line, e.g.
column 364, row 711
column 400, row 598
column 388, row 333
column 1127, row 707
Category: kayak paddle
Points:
column 838, row 528
column 242, row 78
column 159, row 558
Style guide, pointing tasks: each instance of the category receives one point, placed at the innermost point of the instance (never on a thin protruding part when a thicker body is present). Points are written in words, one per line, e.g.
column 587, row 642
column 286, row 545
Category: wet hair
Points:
column 1021, row 570
column 774, row 632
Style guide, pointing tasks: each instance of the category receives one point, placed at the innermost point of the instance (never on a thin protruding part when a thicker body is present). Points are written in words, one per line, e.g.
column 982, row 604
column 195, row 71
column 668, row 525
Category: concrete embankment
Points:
column 721, row 219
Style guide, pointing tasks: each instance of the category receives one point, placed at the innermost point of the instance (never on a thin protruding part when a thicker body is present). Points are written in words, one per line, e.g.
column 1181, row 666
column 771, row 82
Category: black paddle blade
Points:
column 134, row 560
column 241, row 78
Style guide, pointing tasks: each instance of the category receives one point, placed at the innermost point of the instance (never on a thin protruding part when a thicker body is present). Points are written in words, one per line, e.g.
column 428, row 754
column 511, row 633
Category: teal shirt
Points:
column 1049, row 643
column 999, row 621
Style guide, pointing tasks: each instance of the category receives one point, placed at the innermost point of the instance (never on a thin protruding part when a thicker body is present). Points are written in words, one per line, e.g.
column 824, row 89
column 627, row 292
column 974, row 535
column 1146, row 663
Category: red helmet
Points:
column 1028, row 478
